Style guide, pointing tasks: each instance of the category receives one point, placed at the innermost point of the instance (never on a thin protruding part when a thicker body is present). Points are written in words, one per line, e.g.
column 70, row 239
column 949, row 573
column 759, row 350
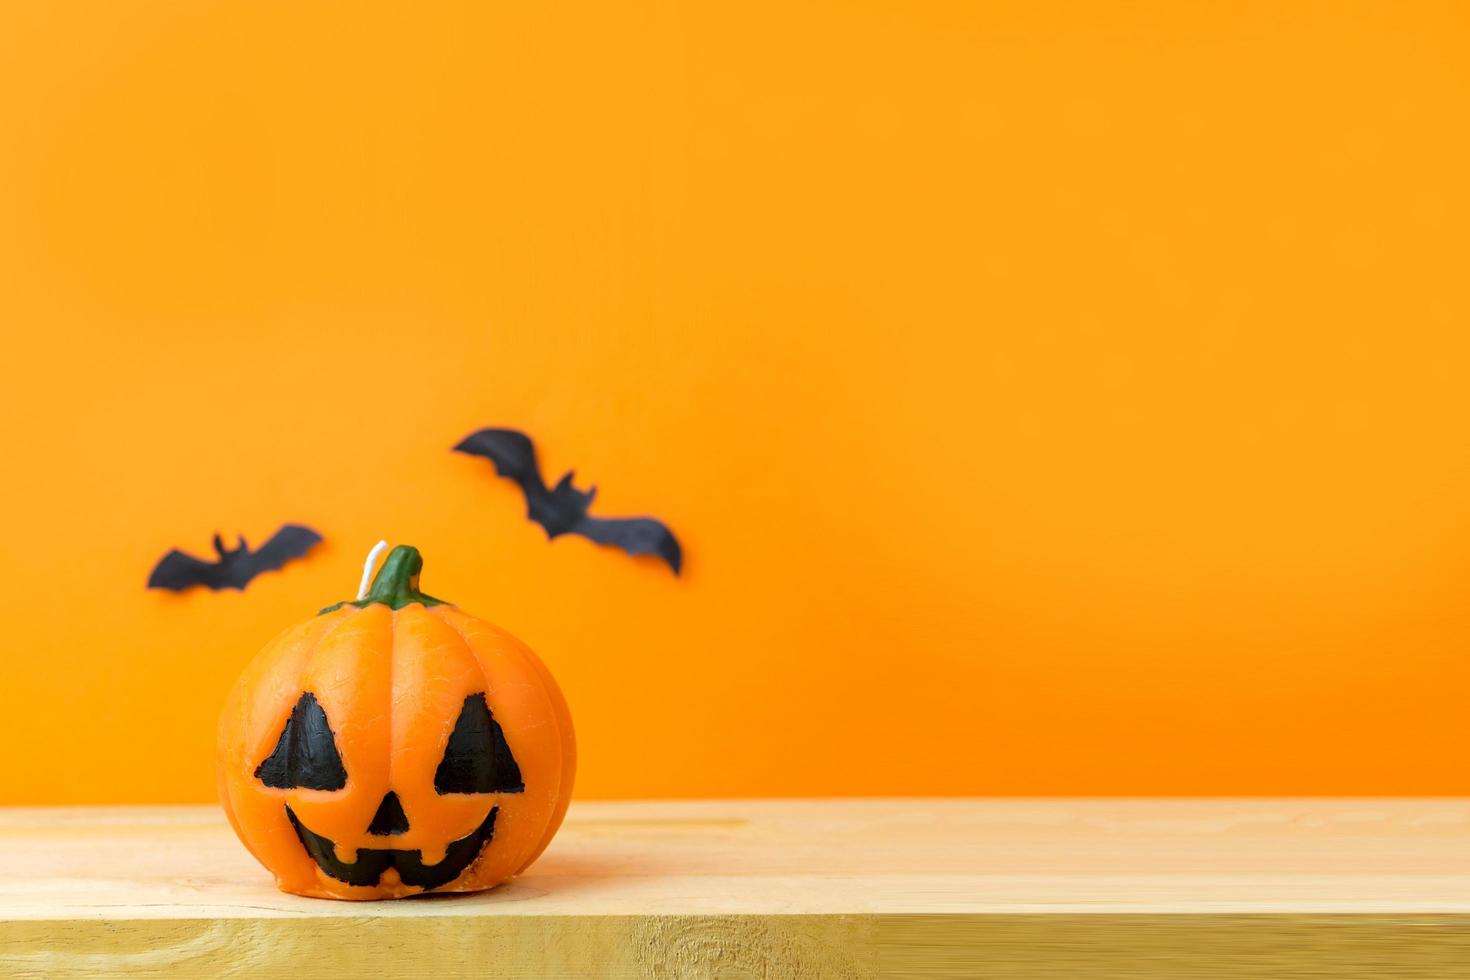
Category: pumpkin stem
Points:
column 397, row 582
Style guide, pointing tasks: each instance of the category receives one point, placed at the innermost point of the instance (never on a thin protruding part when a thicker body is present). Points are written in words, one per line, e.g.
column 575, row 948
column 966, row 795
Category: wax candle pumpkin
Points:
column 395, row 745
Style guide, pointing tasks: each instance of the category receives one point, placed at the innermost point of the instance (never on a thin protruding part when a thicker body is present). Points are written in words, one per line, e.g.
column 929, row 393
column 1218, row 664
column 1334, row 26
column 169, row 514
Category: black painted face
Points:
column 372, row 862
column 477, row 759
column 306, row 755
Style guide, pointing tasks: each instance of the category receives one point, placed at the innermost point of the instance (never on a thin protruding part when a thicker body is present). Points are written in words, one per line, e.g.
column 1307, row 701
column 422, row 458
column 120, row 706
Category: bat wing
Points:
column 290, row 542
column 513, row 454
column 635, row 535
column 178, row 571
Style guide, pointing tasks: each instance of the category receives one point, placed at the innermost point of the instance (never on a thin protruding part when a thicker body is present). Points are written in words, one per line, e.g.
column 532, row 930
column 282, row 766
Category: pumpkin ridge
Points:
column 309, row 642
column 462, row 623
column 474, row 657
column 566, row 743
column 389, row 713
column 308, row 660
column 236, row 720
column 469, row 648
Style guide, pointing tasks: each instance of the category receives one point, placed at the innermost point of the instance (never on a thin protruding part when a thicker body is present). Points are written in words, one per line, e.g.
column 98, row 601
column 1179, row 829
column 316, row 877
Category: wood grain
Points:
column 997, row 888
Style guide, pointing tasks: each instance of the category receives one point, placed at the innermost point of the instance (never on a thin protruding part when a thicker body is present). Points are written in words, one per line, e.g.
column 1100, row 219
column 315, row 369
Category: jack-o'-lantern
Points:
column 395, row 745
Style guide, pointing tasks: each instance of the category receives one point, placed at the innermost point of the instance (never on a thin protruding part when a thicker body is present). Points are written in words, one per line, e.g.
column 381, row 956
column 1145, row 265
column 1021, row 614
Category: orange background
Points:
column 1052, row 397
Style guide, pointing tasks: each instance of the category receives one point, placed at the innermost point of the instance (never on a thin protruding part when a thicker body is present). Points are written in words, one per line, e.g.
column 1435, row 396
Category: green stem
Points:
column 397, row 583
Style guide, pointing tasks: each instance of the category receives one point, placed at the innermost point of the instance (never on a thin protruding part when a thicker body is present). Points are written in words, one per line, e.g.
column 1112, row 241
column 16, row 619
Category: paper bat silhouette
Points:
column 235, row 567
column 563, row 508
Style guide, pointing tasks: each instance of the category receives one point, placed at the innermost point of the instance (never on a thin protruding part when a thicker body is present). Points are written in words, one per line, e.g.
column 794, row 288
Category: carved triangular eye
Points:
column 306, row 755
column 477, row 758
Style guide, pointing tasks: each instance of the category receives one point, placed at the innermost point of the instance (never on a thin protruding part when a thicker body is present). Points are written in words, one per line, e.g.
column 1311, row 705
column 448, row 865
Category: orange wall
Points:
column 1053, row 398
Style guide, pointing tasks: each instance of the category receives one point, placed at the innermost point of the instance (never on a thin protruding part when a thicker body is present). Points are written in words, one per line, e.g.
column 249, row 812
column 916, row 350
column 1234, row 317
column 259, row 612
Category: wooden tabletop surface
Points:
column 848, row 888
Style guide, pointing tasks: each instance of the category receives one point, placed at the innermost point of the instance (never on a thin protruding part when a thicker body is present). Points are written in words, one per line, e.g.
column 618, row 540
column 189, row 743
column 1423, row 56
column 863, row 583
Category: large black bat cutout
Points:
column 236, row 566
column 563, row 508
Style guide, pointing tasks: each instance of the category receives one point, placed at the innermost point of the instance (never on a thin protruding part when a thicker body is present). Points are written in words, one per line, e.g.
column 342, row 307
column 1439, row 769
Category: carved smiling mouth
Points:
column 372, row 862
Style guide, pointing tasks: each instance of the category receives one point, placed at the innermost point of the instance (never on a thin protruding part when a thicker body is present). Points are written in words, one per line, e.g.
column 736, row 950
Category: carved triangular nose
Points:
column 390, row 818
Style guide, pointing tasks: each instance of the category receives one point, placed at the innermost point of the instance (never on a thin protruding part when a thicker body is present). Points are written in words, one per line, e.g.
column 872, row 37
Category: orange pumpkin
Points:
column 395, row 745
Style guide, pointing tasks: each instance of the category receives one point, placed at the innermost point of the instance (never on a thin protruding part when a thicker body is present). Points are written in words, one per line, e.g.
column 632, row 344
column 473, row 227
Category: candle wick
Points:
column 367, row 569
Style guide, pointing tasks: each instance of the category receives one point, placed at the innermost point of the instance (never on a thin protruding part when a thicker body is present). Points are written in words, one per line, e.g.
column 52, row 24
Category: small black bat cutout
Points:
column 236, row 566
column 563, row 508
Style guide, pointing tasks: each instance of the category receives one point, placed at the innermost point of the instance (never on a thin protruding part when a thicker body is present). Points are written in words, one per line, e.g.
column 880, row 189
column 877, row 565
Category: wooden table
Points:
column 964, row 888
